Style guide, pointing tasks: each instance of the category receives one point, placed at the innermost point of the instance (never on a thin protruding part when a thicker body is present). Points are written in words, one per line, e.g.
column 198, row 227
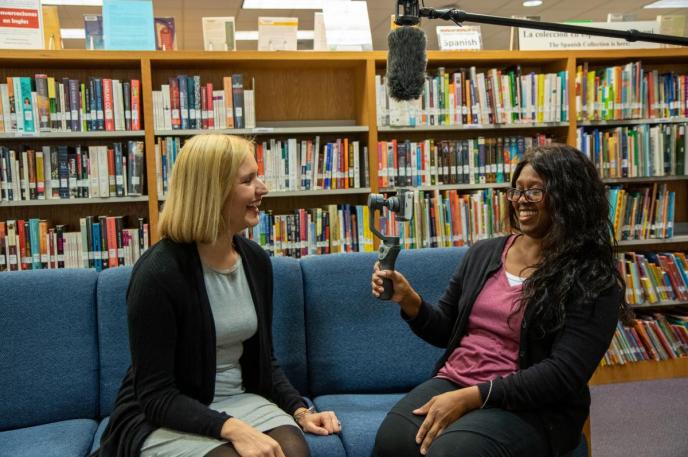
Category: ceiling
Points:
column 188, row 14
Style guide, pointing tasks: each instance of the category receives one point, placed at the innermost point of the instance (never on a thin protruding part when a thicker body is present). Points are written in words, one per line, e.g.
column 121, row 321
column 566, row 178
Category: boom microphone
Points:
column 406, row 63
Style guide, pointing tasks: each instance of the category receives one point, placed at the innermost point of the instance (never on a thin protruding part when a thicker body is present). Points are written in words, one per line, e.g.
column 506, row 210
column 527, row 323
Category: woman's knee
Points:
column 291, row 440
column 461, row 443
column 396, row 437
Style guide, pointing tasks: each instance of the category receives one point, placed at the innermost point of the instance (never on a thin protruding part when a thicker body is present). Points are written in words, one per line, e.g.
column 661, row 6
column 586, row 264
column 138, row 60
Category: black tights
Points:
column 290, row 439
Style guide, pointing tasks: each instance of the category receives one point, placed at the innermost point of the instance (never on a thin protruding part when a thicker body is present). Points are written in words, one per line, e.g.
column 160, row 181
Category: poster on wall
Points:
column 21, row 24
column 546, row 40
column 128, row 25
column 218, row 33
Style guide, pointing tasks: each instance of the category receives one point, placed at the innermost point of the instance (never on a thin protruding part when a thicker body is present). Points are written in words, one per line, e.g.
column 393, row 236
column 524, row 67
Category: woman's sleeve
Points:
column 153, row 339
column 575, row 355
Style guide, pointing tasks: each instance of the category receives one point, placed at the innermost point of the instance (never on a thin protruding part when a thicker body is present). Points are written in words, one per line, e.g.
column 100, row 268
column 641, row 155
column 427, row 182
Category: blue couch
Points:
column 64, row 349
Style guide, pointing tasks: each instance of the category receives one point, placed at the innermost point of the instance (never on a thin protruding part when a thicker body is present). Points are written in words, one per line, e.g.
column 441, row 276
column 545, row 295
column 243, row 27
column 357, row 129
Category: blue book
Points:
column 96, row 246
column 63, row 170
column 27, row 104
column 35, row 240
column 100, row 113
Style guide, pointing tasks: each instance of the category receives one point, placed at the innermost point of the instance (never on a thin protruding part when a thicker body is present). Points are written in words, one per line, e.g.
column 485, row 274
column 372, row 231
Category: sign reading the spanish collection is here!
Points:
column 21, row 24
column 545, row 40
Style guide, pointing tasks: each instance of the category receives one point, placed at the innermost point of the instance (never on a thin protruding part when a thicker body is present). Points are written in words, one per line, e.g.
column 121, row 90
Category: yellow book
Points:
column 590, row 96
column 541, row 97
column 649, row 289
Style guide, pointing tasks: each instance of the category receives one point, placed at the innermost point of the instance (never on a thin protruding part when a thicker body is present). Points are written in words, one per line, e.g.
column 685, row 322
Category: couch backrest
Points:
column 48, row 347
column 113, row 333
column 288, row 321
column 357, row 343
column 289, row 340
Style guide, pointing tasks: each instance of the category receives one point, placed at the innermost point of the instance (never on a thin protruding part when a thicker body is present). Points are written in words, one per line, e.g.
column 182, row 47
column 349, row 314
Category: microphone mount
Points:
column 460, row 16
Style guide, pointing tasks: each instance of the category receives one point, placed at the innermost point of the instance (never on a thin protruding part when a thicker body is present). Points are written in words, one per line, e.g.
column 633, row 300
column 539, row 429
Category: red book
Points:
column 3, row 254
column 108, row 105
column 135, row 104
column 24, row 246
column 175, row 103
column 210, row 104
column 112, row 241
column 204, row 109
column 112, row 182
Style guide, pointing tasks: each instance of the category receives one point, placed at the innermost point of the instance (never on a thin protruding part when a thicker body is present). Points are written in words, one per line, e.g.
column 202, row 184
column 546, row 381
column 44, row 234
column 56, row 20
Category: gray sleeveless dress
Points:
column 235, row 322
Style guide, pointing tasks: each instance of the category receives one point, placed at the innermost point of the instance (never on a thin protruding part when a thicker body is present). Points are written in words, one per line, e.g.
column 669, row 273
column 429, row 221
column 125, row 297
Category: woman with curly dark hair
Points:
column 525, row 320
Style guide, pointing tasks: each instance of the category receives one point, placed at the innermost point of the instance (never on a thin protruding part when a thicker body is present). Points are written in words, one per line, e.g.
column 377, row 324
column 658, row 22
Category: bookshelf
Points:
column 331, row 95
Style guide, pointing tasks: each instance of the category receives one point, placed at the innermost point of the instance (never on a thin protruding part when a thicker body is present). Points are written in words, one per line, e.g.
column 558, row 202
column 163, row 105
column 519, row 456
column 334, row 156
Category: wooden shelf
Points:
column 503, row 185
column 268, row 130
column 664, row 304
column 72, row 135
column 308, row 193
column 642, row 179
column 74, row 201
column 471, row 127
column 641, row 371
column 655, row 241
column 621, row 122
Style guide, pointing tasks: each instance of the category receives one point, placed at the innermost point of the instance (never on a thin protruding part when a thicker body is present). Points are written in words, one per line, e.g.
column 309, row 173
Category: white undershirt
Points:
column 513, row 279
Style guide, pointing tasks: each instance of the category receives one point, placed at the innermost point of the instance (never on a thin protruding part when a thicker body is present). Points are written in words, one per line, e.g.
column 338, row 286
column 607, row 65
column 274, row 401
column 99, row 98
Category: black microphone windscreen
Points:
column 406, row 63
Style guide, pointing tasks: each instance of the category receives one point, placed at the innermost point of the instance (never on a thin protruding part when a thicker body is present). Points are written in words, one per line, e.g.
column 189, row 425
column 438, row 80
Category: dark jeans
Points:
column 480, row 433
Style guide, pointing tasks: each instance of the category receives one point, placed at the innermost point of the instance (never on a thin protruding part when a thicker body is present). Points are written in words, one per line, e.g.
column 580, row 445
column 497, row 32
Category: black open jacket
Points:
column 171, row 380
column 550, row 387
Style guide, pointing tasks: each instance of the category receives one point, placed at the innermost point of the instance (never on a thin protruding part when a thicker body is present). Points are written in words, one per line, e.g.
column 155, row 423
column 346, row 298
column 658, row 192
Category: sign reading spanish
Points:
column 546, row 40
column 21, row 24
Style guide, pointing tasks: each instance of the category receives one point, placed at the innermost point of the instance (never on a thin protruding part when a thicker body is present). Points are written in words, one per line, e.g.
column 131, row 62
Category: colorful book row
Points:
column 100, row 243
column 653, row 278
column 289, row 165
column 450, row 218
column 469, row 97
column 187, row 103
column 637, row 151
column 329, row 230
column 434, row 162
column 46, row 104
column 642, row 213
column 650, row 337
column 629, row 92
column 64, row 172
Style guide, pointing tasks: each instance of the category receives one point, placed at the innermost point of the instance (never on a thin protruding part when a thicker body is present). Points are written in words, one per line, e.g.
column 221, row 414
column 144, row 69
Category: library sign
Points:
column 21, row 25
column 545, row 40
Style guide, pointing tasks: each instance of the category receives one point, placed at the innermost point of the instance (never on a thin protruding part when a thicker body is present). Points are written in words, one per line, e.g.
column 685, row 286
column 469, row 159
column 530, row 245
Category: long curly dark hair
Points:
column 577, row 262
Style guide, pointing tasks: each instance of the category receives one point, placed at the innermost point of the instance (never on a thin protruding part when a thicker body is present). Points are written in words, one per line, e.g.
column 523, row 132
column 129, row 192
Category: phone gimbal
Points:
column 402, row 205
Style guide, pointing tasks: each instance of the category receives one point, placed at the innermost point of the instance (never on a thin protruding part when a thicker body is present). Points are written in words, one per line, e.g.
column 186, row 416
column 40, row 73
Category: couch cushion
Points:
column 60, row 439
column 357, row 343
column 361, row 416
column 49, row 351
column 288, row 321
column 113, row 333
column 99, row 432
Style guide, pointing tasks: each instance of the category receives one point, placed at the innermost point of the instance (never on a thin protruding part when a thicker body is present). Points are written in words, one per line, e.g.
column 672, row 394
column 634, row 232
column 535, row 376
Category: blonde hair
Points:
column 202, row 179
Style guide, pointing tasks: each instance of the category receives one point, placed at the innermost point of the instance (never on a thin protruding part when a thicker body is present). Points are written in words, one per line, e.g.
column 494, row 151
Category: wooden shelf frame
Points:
column 341, row 96
column 310, row 93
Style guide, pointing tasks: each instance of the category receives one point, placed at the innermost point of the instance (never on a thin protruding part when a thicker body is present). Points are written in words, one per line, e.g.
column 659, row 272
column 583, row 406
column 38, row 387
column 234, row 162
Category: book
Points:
column 165, row 34
column 93, row 28
column 218, row 33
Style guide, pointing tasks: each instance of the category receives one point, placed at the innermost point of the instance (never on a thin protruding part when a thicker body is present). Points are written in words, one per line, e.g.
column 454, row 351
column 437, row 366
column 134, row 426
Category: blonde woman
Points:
column 203, row 380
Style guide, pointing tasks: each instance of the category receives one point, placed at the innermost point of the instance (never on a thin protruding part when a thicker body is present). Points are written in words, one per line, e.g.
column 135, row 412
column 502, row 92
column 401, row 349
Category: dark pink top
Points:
column 490, row 347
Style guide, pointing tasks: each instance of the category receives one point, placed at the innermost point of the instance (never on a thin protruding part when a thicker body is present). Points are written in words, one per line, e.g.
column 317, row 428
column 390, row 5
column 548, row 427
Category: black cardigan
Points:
column 550, row 388
column 171, row 380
